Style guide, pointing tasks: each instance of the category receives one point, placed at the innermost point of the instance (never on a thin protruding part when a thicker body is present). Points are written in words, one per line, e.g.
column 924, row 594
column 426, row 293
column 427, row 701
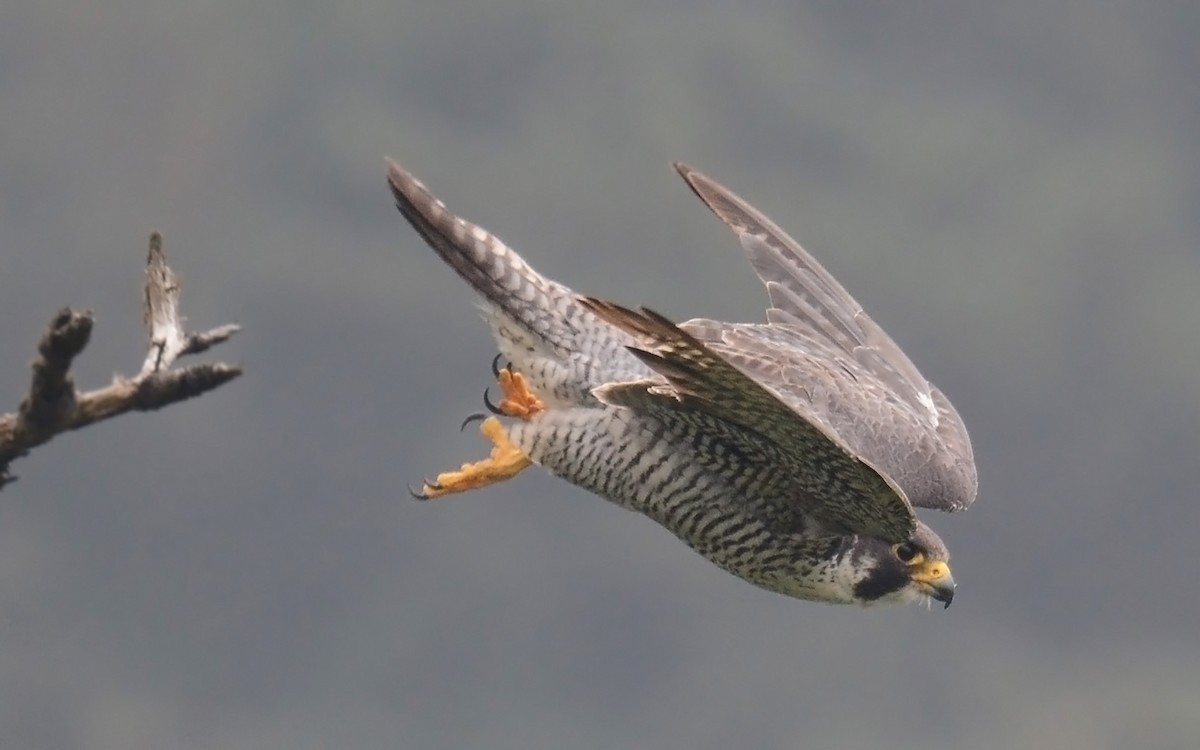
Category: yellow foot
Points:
column 505, row 462
column 518, row 400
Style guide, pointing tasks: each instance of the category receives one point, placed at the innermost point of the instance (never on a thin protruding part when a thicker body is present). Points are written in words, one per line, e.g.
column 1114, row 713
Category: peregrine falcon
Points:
column 790, row 453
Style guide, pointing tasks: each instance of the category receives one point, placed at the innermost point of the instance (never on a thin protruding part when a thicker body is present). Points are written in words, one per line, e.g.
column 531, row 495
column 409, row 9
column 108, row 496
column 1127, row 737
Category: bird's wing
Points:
column 807, row 299
column 828, row 388
column 840, row 489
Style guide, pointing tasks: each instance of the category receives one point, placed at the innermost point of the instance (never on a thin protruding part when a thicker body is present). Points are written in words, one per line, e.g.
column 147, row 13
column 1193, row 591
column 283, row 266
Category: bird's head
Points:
column 917, row 570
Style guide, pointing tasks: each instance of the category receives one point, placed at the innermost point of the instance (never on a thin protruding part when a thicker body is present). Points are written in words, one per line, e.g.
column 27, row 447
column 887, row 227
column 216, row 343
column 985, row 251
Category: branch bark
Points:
column 53, row 405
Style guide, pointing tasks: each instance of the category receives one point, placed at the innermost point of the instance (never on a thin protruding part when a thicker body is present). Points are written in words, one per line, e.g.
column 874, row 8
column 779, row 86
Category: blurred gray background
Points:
column 1011, row 188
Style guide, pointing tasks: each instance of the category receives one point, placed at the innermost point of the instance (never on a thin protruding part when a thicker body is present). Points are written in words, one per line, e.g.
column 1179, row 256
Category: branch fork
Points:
column 53, row 405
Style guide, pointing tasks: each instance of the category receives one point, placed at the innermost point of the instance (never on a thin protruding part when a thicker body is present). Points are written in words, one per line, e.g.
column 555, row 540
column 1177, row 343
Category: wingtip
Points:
column 642, row 322
column 709, row 191
column 397, row 175
column 610, row 312
column 604, row 308
column 591, row 304
column 694, row 178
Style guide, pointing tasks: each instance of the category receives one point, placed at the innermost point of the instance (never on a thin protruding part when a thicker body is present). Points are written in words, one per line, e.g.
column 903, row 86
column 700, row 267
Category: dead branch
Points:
column 52, row 404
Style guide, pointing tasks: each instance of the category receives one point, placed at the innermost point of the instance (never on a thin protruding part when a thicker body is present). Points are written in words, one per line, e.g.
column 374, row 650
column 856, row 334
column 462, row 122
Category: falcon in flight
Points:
column 789, row 453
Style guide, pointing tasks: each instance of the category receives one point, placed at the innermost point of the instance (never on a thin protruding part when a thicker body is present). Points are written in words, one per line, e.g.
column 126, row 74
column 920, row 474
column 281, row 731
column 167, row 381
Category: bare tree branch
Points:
column 53, row 405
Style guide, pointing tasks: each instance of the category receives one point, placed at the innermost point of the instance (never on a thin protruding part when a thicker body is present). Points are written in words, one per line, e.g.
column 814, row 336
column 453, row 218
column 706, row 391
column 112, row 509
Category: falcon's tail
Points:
column 538, row 322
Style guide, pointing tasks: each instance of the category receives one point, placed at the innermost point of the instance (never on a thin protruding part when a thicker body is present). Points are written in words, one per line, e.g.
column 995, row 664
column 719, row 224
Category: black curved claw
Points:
column 422, row 495
column 490, row 406
column 474, row 417
column 496, row 368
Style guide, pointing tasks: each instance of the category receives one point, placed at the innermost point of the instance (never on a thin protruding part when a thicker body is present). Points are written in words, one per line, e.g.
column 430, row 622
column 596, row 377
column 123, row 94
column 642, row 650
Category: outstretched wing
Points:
column 839, row 488
column 921, row 441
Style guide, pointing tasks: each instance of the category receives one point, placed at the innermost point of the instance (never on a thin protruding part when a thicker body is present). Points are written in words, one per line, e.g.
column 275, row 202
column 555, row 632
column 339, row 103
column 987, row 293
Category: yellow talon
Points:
column 504, row 462
column 518, row 400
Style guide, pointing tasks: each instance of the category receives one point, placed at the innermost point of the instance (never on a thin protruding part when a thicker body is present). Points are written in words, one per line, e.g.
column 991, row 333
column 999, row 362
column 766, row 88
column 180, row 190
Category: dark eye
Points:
column 906, row 552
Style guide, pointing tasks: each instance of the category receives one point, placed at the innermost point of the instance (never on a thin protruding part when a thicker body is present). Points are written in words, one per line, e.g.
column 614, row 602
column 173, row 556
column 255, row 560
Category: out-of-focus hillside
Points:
column 1010, row 188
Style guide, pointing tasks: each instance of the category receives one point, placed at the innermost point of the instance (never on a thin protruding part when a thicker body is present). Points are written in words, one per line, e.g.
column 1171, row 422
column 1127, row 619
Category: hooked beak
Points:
column 933, row 579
